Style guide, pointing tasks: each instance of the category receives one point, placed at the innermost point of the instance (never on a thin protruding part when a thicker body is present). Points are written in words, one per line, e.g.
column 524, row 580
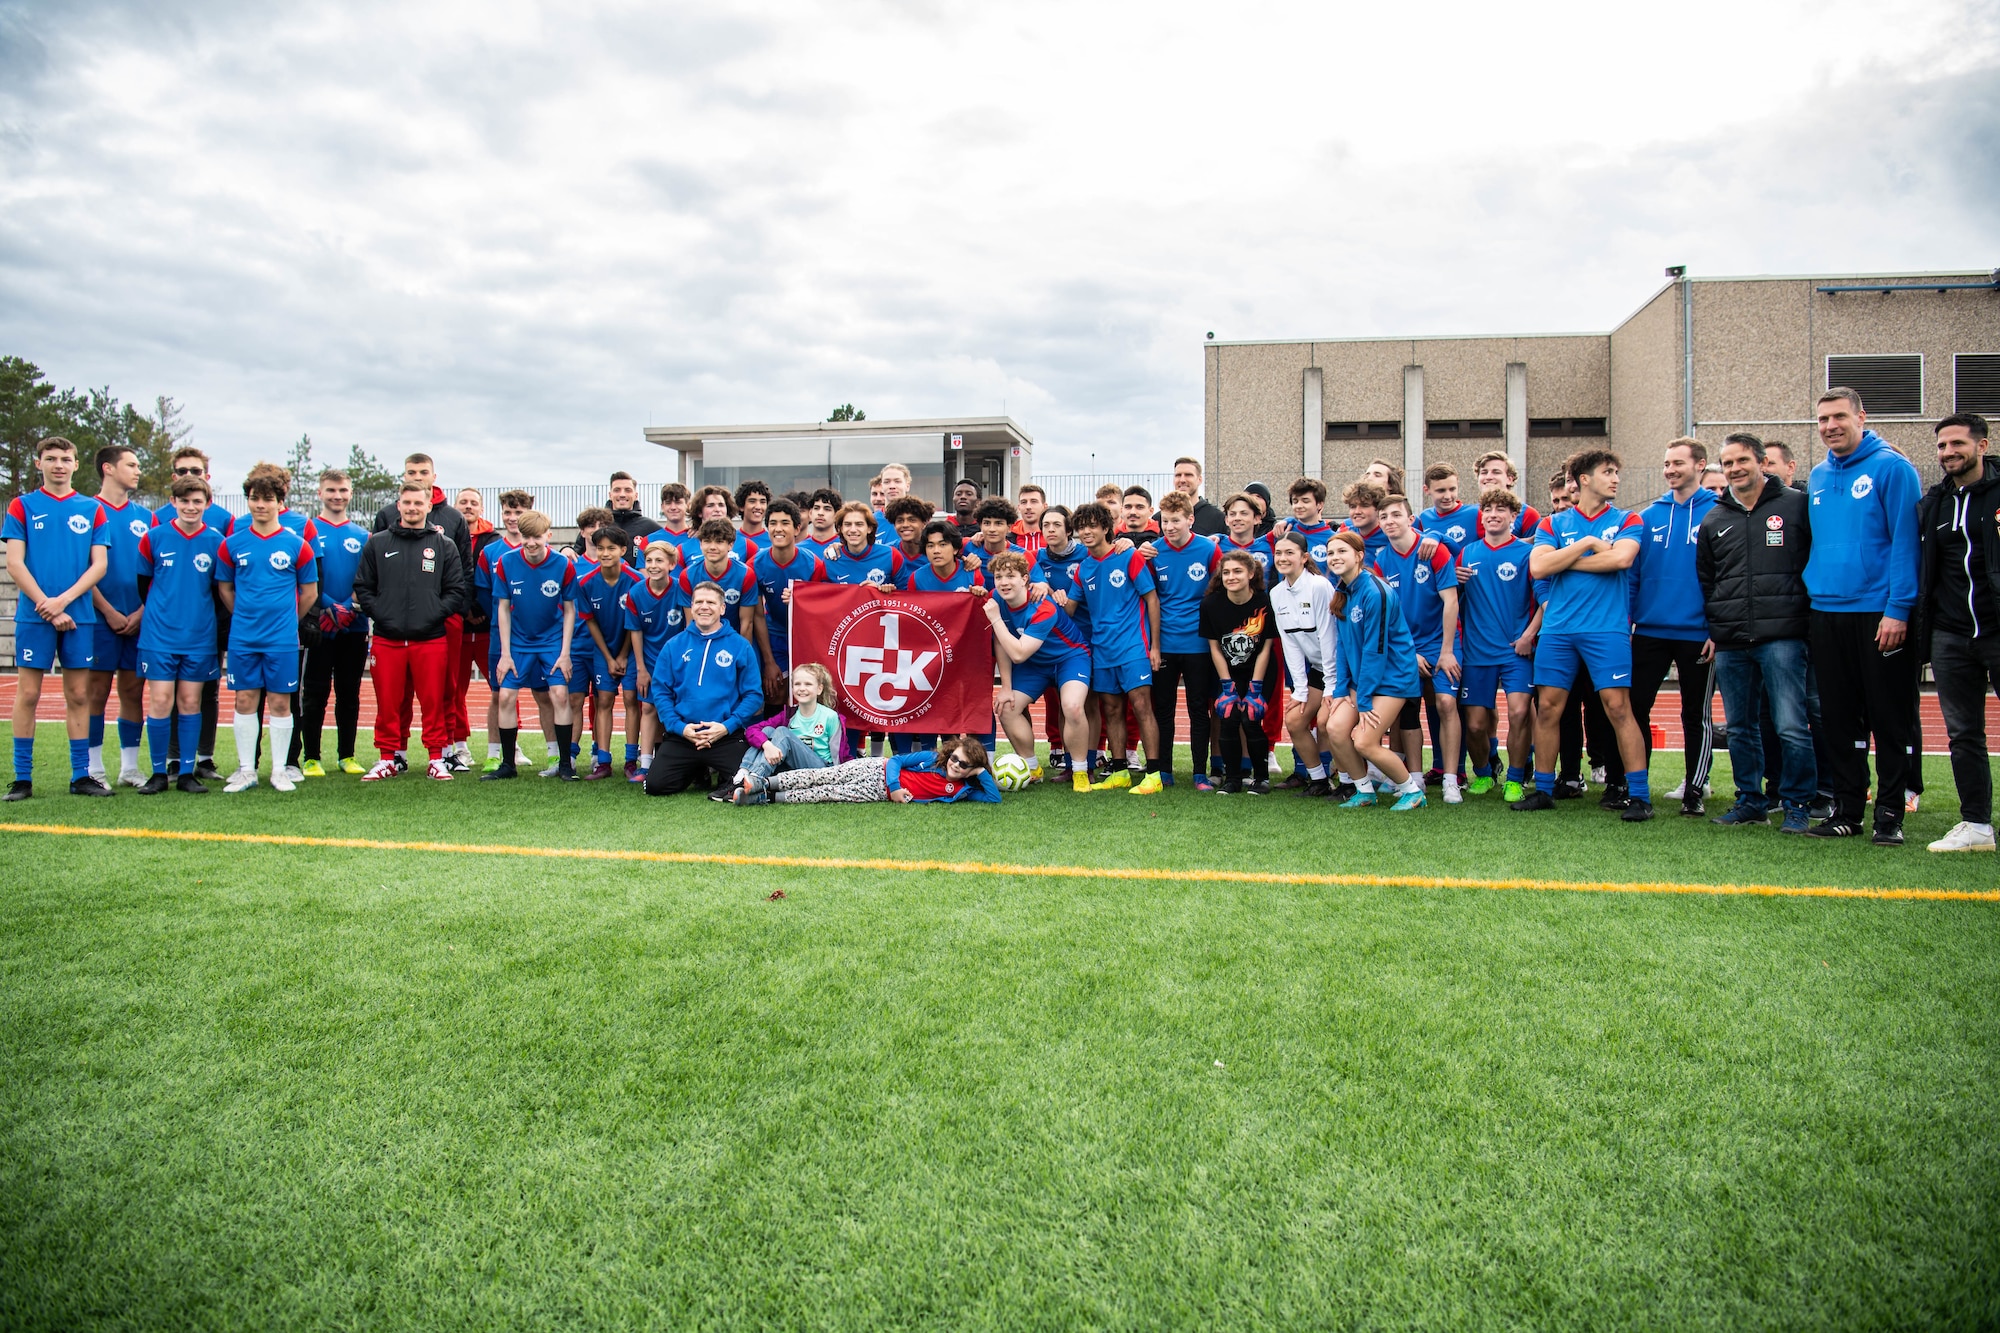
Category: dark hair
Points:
column 1438, row 472
column 940, row 528
column 417, row 458
column 1305, row 551
column 57, row 442
column 672, row 491
column 516, row 500
column 110, row 454
column 967, row 748
column 699, row 501
column 995, row 508
column 1092, row 515
column 1500, row 497
column 1784, row 450
column 610, row 534
column 619, row 476
column 1853, row 396
column 1027, row 486
column 977, row 489
column 716, row 530
column 1248, row 561
column 750, row 488
column 596, row 515
column 1062, row 510
column 188, row 486
column 827, row 496
column 803, row 499
column 1139, row 491
column 267, row 486
column 789, row 509
column 909, row 506
column 1312, row 486
column 1757, row 446
column 1365, row 493
column 1585, row 461
column 1972, row 421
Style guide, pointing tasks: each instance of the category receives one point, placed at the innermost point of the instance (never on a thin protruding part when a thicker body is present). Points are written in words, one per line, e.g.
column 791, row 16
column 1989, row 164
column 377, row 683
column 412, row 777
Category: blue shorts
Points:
column 1478, row 685
column 38, row 646
column 597, row 671
column 1121, row 677
column 537, row 671
column 1608, row 657
column 1036, row 678
column 203, row 667
column 277, row 672
column 113, row 651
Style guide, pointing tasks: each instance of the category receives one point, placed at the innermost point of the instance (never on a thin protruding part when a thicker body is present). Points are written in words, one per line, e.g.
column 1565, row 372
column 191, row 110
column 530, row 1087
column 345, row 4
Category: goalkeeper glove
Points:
column 1226, row 700
column 1253, row 707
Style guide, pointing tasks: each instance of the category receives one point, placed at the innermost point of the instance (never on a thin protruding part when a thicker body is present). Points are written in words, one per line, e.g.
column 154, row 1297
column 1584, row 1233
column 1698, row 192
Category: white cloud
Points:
column 514, row 235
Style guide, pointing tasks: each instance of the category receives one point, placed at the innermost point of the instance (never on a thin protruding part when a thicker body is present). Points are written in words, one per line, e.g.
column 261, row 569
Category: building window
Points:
column 1890, row 386
column 1567, row 428
column 1364, row 430
column 1462, row 430
column 1976, row 383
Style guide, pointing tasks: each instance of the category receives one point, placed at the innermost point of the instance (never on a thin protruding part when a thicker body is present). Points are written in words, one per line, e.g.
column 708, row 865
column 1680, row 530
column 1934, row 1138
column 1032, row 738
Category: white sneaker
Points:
column 243, row 779
column 552, row 770
column 281, row 779
column 1452, row 795
column 293, row 773
column 1597, row 776
column 440, row 770
column 131, row 778
column 384, row 768
column 1966, row 837
column 1679, row 789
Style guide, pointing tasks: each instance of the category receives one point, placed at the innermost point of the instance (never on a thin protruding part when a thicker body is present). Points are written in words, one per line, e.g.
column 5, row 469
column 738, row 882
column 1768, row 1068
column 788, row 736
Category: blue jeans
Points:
column 1768, row 675
column 797, row 754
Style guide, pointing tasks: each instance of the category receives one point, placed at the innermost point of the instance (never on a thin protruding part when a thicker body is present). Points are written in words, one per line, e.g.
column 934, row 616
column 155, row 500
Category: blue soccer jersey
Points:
column 1115, row 589
column 1580, row 602
column 882, row 566
column 1373, row 542
column 486, row 571
column 1182, row 575
column 1456, row 527
column 59, row 532
column 922, row 578
column 756, row 542
column 267, row 573
column 1317, row 535
column 1419, row 583
column 603, row 604
column 1496, row 599
column 215, row 516
column 1058, row 571
column 739, row 589
column 126, row 524
column 291, row 520
column 772, row 580
column 338, row 548
column 535, row 595
column 1042, row 619
column 657, row 616
column 1257, row 548
column 180, row 602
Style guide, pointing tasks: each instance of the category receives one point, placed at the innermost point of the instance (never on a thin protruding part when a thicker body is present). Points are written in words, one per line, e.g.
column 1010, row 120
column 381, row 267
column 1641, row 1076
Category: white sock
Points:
column 280, row 736
column 1983, row 830
column 96, row 765
column 1415, row 784
column 245, row 727
column 1365, row 785
column 1317, row 772
column 493, row 749
column 1343, row 777
column 645, row 763
column 1451, row 779
column 128, row 758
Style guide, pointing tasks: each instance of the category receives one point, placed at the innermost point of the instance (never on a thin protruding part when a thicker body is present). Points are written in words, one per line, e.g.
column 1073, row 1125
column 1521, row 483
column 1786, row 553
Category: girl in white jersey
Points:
column 1300, row 599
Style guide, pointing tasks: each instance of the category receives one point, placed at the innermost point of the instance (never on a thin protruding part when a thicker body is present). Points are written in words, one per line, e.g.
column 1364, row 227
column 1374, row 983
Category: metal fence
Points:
column 1071, row 489
column 562, row 503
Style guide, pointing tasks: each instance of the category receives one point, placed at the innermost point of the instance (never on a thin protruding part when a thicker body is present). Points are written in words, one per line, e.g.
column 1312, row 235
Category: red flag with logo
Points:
column 902, row 661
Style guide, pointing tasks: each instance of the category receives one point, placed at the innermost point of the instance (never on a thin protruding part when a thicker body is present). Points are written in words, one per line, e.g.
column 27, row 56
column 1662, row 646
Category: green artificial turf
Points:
column 256, row 1086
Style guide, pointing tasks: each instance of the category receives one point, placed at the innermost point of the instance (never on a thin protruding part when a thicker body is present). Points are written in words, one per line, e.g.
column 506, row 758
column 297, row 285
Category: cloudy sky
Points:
column 516, row 234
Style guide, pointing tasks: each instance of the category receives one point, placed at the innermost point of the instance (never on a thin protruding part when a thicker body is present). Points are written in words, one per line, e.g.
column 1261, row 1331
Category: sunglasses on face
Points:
column 187, row 472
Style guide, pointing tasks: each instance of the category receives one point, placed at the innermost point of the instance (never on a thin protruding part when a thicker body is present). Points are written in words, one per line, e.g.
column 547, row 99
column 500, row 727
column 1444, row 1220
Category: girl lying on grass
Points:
column 955, row 771
column 809, row 736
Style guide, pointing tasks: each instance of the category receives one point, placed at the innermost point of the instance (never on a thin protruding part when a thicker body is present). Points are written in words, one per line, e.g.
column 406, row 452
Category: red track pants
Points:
column 406, row 668
column 458, row 674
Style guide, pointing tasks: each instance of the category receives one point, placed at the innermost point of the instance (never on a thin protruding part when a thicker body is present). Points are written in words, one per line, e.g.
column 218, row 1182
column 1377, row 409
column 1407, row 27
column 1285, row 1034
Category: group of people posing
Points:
column 1810, row 607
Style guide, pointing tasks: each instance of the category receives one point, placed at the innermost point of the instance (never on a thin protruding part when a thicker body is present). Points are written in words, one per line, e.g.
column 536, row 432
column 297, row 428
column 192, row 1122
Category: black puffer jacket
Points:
column 409, row 583
column 1752, row 567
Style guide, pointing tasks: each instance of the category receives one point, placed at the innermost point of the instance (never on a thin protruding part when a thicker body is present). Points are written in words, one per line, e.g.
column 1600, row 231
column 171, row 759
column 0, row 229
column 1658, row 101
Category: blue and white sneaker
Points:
column 1411, row 800
column 1361, row 800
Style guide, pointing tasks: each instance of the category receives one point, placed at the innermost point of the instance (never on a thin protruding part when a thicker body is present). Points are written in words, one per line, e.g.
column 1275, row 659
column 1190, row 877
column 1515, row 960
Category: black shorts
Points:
column 1315, row 680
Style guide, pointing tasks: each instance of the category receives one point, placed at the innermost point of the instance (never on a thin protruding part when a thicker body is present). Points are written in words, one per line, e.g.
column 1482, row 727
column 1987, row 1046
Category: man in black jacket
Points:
column 1187, row 480
column 1958, row 613
column 625, row 514
column 1750, row 558
column 418, row 469
column 412, row 585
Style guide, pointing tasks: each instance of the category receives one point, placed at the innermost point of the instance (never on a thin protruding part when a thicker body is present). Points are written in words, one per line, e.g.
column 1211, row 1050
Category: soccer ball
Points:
column 1011, row 772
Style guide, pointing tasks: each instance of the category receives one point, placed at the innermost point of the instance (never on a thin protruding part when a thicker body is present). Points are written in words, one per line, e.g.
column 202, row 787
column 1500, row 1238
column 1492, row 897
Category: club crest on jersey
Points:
column 734, row 595
column 1775, row 522
column 430, row 553
column 1423, row 573
column 1197, row 572
column 1456, row 533
column 1864, row 485
column 79, row 524
column 674, row 617
column 1354, row 613
column 1117, row 578
column 137, row 527
column 353, row 545
column 1610, row 533
column 1507, row 571
column 203, row 561
column 281, row 560
column 550, row 587
column 725, row 658
column 890, row 661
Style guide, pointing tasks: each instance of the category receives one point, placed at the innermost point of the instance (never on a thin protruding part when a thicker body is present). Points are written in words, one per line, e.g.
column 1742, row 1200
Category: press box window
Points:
column 1976, row 383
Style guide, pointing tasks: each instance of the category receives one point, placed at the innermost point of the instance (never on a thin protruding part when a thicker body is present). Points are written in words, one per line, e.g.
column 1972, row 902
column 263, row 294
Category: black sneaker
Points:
column 1230, row 789
column 1296, row 782
column 1433, row 777
column 1889, row 835
column 402, row 763
column 1615, row 798
column 1821, row 808
column 190, row 784
column 501, row 774
column 1569, row 789
column 1535, row 800
column 1834, row 828
column 21, row 790
column 89, row 786
column 156, row 784
column 1318, row 787
column 207, row 771
column 1692, row 807
column 1257, row 787
column 1341, row 792
column 1637, row 812
column 567, row 773
column 719, row 794
column 456, row 762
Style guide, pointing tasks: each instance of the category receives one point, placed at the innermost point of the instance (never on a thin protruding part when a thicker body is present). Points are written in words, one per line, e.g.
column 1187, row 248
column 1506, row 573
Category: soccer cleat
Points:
column 1433, row 777
column 189, row 783
column 1795, row 822
column 1966, row 837
column 352, row 766
column 1295, row 781
column 1166, row 778
column 1411, row 800
column 296, row 774
column 1203, row 785
column 1234, row 788
column 1512, row 792
column 281, row 780
column 1361, row 800
column 632, row 771
column 1571, row 789
column 312, row 768
column 156, row 784
column 598, row 772
column 384, row 769
column 1452, row 794
column 89, row 786
column 501, row 774
column 638, row 777
column 456, row 762
column 1614, row 798
column 1821, row 808
column 1340, row 792
column 1889, row 835
column 206, row 770
column 1080, row 781
column 1835, row 828
column 1318, row 787
column 440, row 769
column 1692, row 807
column 1116, row 782
column 552, row 770
column 1149, row 785
column 1535, row 800
column 492, row 762
column 1743, row 812
column 130, row 777
column 1037, row 773
column 243, row 779
column 1257, row 787
column 20, row 790
column 1637, row 812
column 1480, row 786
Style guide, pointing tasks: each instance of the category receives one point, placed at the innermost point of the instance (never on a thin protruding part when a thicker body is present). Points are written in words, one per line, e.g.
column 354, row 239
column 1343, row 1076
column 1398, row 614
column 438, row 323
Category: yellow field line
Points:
column 1003, row 868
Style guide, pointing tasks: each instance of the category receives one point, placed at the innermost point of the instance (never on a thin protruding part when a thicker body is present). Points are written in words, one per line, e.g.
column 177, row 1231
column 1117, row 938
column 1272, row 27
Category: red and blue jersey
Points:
column 1455, row 527
column 1183, row 578
column 1043, row 619
column 536, row 595
column 1526, row 522
column 772, row 580
column 1580, row 602
column 180, row 602
column 739, row 588
column 1496, row 599
column 59, row 531
column 215, row 516
column 1372, row 543
column 1419, row 582
column 125, row 524
column 1114, row 589
column 1057, row 571
column 1317, row 535
column 603, row 604
column 291, row 520
column 757, row 543
column 657, row 616
column 486, row 570
column 687, row 546
column 338, row 548
column 882, row 566
column 268, row 572
column 923, row 578
column 1257, row 548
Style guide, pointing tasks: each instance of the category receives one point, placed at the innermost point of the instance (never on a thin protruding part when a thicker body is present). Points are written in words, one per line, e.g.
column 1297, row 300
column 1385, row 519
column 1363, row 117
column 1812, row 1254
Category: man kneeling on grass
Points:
column 706, row 689
column 957, row 771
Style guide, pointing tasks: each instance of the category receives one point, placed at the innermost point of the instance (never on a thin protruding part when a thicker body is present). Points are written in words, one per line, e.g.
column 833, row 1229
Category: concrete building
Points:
column 993, row 451
column 1701, row 357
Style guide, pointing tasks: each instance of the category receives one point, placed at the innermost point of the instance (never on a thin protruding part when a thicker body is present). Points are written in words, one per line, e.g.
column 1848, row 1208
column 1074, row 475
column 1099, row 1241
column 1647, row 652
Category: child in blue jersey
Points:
column 753, row 502
column 1040, row 651
column 1374, row 672
column 57, row 552
column 781, row 565
column 822, row 534
column 333, row 666
column 1586, row 553
column 268, row 577
column 1425, row 581
column 996, row 519
column 1308, row 497
column 655, row 612
column 1502, row 619
column 714, row 504
column 943, row 569
column 859, row 558
column 485, row 568
column 1496, row 472
column 1050, row 569
column 742, row 598
column 1183, row 564
column 189, row 461
column 177, row 657
column 607, row 657
column 1118, row 588
column 120, row 613
column 535, row 618
column 1451, row 522
column 1364, row 501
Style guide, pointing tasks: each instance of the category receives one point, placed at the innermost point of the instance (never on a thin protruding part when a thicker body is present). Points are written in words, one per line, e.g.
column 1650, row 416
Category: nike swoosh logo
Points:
column 1621, row 675
column 390, row 555
column 1724, row 532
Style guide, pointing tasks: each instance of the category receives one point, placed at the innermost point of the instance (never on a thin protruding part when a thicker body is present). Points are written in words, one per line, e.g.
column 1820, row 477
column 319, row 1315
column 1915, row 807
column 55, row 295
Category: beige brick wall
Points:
column 1645, row 393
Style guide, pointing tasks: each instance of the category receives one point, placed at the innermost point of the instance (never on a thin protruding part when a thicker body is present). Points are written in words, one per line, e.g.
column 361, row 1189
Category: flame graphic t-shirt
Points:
column 1238, row 630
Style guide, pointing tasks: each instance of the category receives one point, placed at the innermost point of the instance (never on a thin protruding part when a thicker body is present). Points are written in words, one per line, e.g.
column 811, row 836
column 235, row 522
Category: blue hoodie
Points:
column 707, row 678
column 1666, row 596
column 1864, row 532
column 1375, row 655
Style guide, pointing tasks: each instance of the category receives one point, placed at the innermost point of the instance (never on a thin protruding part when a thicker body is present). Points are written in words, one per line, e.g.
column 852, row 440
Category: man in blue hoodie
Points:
column 706, row 689
column 1863, row 580
column 1669, row 620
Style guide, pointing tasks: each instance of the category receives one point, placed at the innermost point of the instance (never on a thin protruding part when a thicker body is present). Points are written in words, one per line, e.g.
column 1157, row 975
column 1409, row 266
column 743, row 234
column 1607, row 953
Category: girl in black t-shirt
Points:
column 1236, row 620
